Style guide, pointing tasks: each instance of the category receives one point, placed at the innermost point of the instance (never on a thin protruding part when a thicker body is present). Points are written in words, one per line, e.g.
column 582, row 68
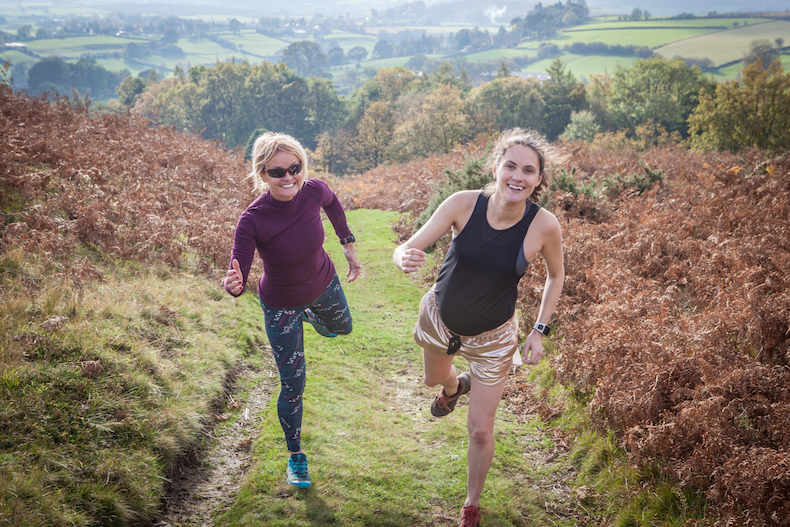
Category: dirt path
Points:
column 207, row 485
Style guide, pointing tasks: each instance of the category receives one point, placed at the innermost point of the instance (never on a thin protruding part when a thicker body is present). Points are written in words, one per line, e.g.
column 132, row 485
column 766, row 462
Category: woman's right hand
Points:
column 233, row 280
column 408, row 259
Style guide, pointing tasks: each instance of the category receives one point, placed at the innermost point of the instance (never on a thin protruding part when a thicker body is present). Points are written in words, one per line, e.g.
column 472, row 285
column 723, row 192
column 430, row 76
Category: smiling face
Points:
column 518, row 173
column 285, row 188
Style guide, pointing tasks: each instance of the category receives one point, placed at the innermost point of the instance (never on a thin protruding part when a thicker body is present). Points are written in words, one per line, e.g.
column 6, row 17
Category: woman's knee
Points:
column 344, row 328
column 480, row 433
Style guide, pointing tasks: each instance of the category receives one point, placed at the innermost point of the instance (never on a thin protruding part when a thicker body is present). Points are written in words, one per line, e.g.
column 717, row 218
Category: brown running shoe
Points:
column 470, row 517
column 443, row 405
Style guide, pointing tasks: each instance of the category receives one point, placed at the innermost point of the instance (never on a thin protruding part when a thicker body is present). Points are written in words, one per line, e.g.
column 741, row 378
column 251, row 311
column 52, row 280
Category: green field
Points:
column 72, row 47
column 726, row 46
column 346, row 41
column 650, row 37
column 253, row 43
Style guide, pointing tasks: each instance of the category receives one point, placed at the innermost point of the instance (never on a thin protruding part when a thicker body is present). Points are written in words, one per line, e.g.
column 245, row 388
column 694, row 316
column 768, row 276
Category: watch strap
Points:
column 543, row 328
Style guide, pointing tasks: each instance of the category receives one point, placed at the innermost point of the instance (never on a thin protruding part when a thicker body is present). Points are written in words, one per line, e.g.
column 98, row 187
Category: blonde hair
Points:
column 547, row 157
column 265, row 148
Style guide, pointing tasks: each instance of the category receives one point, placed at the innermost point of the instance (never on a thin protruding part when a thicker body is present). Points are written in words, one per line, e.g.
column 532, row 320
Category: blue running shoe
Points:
column 297, row 474
column 309, row 316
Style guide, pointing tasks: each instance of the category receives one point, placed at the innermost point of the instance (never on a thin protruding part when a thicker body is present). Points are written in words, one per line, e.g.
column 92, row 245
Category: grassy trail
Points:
column 377, row 456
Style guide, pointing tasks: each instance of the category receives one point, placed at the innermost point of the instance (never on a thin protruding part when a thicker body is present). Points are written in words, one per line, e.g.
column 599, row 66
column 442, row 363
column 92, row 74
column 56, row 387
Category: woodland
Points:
column 674, row 199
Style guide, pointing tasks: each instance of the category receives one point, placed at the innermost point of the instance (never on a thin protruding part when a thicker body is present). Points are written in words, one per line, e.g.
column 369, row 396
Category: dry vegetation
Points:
column 675, row 316
column 676, row 312
column 112, row 182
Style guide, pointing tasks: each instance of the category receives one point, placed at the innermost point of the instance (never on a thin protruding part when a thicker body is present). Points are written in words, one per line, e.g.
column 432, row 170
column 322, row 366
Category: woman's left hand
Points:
column 533, row 348
column 354, row 267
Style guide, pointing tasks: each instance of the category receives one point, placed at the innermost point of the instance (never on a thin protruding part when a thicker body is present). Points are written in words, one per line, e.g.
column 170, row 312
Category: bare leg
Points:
column 483, row 402
column 440, row 370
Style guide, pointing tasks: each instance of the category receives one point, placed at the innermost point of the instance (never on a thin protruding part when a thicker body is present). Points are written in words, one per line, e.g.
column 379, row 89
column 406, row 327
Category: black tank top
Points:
column 477, row 286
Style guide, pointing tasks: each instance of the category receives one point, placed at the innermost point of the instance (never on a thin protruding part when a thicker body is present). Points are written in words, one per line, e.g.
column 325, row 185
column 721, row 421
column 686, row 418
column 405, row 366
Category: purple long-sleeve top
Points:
column 289, row 236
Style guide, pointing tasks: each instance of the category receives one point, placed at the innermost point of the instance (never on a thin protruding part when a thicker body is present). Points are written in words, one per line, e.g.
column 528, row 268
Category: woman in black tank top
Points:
column 470, row 311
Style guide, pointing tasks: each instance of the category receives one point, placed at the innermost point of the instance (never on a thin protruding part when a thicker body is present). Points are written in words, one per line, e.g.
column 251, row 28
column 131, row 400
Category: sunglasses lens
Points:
column 279, row 173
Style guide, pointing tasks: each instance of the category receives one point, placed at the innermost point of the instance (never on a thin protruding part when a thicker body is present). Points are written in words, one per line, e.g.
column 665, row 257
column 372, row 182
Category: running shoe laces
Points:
column 297, row 474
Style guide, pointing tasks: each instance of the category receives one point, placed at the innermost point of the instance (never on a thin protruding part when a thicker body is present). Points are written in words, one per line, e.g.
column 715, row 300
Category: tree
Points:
column 336, row 56
column 754, row 111
column 762, row 51
column 506, row 103
column 562, row 95
column 384, row 49
column 305, row 58
column 598, row 95
column 133, row 51
column 664, row 91
column 503, row 71
column 129, row 89
column 50, row 73
column 388, row 84
column 24, row 32
column 325, row 110
column 251, row 142
column 357, row 54
column 375, row 134
column 170, row 36
column 582, row 127
column 234, row 26
column 435, row 124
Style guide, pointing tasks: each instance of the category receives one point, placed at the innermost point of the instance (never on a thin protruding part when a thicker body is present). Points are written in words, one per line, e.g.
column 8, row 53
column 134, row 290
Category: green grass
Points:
column 698, row 22
column 94, row 414
column 347, row 40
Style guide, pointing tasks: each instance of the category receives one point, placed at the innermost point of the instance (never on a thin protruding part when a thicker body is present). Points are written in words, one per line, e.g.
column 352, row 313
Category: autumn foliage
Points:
column 675, row 317
column 114, row 183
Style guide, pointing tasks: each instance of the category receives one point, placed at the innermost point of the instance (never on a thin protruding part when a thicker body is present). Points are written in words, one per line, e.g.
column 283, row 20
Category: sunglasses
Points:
column 279, row 173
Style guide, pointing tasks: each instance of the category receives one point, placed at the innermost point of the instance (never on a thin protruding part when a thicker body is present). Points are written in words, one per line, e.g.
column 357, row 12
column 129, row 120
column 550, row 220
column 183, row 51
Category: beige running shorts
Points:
column 490, row 354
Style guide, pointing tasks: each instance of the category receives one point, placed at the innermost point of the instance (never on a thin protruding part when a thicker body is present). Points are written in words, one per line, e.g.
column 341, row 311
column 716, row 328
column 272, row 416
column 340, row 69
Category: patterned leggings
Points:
column 285, row 330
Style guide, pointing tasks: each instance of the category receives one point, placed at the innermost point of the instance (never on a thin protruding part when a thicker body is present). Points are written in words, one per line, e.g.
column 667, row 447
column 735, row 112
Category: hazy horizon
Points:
column 500, row 11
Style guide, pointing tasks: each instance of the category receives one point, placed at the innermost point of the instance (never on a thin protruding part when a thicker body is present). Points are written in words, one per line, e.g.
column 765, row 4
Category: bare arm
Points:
column 453, row 213
column 552, row 253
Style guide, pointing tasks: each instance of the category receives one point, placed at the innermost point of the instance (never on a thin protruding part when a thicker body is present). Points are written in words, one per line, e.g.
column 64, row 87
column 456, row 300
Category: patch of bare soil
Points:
column 206, row 483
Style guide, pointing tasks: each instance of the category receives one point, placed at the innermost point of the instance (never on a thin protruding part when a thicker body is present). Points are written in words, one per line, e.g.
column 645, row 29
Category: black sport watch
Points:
column 350, row 239
column 543, row 328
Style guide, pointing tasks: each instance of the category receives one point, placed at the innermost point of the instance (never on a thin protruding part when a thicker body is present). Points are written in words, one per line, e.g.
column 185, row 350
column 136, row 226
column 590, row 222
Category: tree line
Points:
column 399, row 114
